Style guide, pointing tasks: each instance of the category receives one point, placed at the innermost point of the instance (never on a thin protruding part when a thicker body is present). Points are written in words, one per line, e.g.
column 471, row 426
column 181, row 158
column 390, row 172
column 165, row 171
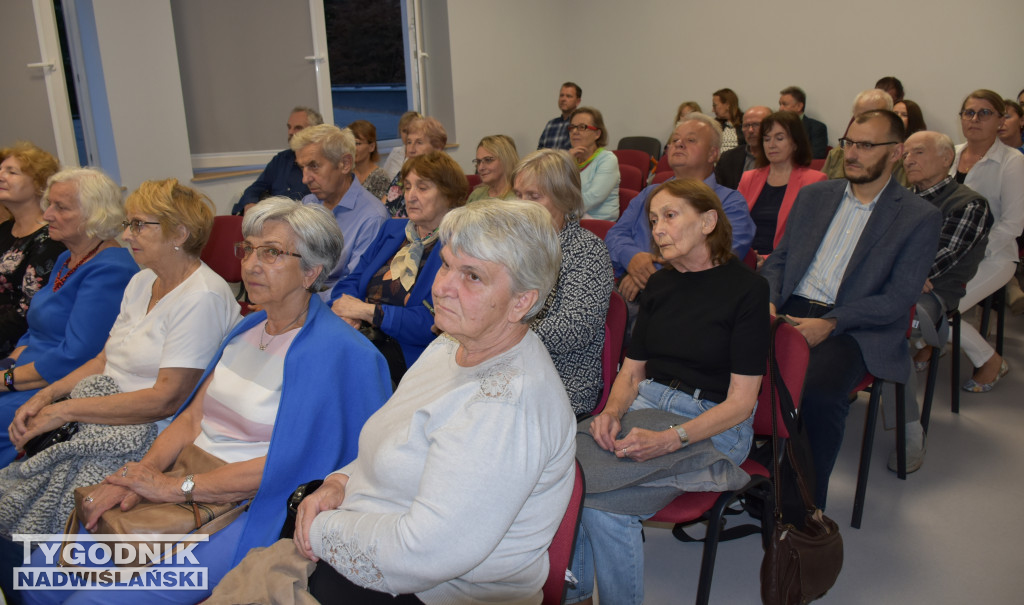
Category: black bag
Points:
column 801, row 563
column 58, row 435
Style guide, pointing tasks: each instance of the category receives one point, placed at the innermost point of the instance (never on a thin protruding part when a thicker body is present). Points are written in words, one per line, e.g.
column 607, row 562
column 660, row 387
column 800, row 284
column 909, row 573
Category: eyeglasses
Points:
column 136, row 225
column 981, row 114
column 485, row 161
column 846, row 143
column 266, row 254
column 581, row 127
column 751, row 126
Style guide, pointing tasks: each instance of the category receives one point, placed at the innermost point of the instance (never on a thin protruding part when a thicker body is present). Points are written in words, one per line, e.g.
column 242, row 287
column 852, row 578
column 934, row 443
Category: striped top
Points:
column 824, row 276
column 241, row 401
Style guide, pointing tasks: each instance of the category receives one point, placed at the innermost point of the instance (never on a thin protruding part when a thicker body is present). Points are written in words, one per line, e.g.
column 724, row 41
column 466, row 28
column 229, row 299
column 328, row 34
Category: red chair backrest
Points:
column 560, row 551
column 634, row 157
column 474, row 180
column 625, row 197
column 597, row 226
column 818, row 164
column 219, row 252
column 792, row 353
column 663, row 165
column 750, row 259
column 611, row 351
column 662, row 176
column 631, row 177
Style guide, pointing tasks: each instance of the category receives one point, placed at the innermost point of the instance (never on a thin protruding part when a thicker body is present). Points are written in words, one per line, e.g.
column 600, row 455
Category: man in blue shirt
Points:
column 556, row 132
column 282, row 176
column 326, row 155
column 692, row 154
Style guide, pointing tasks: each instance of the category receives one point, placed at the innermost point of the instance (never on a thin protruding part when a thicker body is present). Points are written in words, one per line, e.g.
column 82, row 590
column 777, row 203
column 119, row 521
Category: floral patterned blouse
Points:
column 25, row 266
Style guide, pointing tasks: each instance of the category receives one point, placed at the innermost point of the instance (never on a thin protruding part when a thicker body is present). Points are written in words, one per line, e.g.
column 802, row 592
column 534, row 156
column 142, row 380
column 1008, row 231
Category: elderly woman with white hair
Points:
column 571, row 322
column 265, row 411
column 464, row 475
column 70, row 317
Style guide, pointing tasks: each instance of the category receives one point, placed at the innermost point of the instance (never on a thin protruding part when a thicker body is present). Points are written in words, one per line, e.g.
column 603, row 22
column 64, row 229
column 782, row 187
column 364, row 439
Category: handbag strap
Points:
column 781, row 399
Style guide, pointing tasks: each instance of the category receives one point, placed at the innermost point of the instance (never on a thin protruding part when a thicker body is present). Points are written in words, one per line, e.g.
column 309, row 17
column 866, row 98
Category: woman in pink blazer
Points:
column 770, row 189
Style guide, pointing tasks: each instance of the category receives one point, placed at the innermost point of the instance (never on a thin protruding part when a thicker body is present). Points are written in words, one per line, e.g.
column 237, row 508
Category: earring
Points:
column 177, row 248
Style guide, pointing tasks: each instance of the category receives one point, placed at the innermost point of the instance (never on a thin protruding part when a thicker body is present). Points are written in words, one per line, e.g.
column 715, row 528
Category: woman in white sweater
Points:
column 464, row 475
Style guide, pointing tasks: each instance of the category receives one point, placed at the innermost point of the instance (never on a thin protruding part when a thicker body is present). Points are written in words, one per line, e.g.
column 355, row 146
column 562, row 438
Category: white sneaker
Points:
column 916, row 447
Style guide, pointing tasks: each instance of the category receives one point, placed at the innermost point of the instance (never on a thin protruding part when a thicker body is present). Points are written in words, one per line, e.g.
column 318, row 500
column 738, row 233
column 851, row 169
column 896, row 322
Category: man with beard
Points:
column 851, row 264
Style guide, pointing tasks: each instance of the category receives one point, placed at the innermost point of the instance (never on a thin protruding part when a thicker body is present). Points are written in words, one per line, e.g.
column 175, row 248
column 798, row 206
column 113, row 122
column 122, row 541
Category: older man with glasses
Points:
column 736, row 161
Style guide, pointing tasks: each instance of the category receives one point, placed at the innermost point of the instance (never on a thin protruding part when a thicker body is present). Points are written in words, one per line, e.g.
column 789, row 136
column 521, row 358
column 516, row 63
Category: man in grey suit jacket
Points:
column 793, row 99
column 847, row 271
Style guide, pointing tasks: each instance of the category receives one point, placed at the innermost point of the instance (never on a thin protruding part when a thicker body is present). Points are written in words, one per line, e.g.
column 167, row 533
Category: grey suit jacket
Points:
column 817, row 132
column 883, row 280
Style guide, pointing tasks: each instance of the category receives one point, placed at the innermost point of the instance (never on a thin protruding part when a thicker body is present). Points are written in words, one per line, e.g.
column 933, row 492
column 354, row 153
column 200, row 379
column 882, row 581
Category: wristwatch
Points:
column 188, row 485
column 684, row 439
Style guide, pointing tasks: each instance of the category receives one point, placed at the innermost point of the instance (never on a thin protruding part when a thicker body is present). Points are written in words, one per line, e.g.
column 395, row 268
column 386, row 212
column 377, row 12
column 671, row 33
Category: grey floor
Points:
column 950, row 533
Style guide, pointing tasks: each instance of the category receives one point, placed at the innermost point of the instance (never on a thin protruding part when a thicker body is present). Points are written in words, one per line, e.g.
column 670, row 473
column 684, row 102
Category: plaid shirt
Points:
column 555, row 135
column 960, row 230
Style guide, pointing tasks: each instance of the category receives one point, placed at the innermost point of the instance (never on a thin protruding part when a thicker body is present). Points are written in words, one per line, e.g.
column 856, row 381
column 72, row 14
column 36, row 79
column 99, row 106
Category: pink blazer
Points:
column 752, row 182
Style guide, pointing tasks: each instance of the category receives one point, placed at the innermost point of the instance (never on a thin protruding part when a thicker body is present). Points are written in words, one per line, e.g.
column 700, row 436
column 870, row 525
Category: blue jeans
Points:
column 619, row 566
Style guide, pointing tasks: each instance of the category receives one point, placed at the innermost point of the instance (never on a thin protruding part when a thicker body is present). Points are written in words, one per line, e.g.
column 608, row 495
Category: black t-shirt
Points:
column 765, row 215
column 701, row 327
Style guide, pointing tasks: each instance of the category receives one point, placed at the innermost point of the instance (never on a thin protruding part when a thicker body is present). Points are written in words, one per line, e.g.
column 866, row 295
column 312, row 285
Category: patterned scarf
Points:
column 406, row 262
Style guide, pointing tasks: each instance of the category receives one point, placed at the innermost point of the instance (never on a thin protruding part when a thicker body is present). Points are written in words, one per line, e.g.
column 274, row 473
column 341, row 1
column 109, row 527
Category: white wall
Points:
column 637, row 61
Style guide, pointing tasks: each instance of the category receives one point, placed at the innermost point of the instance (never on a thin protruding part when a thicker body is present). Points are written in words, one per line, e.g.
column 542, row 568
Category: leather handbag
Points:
column 161, row 517
column 800, row 563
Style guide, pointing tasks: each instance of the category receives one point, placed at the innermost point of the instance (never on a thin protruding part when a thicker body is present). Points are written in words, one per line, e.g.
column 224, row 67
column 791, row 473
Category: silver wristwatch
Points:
column 188, row 485
column 684, row 439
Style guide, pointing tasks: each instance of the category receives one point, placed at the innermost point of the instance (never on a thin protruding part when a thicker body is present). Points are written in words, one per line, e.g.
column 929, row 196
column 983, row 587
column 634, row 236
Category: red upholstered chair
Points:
column 597, row 226
column 611, row 352
column 474, row 180
column 792, row 354
column 663, row 165
column 560, row 551
column 662, row 176
column 818, row 164
column 631, row 177
column 650, row 145
column 634, row 157
column 750, row 259
column 219, row 253
column 625, row 197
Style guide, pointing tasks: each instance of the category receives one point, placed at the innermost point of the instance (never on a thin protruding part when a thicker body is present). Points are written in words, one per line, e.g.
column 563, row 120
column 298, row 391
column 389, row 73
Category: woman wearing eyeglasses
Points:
column 281, row 403
column 71, row 315
column 174, row 314
column 387, row 296
column 496, row 156
column 599, row 168
column 996, row 171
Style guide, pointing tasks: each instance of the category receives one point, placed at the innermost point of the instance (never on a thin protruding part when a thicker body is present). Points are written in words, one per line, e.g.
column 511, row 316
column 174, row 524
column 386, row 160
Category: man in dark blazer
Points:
column 793, row 99
column 851, row 264
column 736, row 161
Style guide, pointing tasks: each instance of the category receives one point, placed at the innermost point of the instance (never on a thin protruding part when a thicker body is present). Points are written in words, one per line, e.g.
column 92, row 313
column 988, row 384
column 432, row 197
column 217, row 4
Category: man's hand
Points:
column 641, row 267
column 928, row 287
column 814, row 329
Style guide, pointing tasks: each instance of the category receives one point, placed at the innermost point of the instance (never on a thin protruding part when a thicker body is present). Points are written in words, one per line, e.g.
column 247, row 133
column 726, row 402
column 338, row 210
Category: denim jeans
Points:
column 610, row 545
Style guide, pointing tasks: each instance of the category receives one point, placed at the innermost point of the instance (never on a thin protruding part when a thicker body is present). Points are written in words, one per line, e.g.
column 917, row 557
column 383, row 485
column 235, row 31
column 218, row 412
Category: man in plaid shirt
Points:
column 556, row 132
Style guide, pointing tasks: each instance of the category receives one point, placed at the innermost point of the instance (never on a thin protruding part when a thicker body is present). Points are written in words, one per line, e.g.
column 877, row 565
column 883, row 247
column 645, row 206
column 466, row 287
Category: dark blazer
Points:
column 817, row 132
column 730, row 165
column 409, row 325
column 883, row 280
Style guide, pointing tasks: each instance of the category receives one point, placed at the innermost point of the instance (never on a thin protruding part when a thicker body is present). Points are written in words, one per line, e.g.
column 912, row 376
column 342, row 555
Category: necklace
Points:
column 58, row 281
column 263, row 347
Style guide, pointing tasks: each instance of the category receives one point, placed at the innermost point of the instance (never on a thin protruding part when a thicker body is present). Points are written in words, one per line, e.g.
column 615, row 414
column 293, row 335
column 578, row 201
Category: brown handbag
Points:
column 160, row 517
column 800, row 563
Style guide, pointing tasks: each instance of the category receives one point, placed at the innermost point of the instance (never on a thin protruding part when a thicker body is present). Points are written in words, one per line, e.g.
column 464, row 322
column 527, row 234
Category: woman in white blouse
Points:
column 996, row 171
column 463, row 476
column 173, row 316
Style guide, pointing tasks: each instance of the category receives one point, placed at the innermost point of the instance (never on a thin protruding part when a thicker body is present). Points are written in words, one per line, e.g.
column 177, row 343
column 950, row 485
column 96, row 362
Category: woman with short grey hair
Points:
column 571, row 322
column 281, row 403
column 478, row 440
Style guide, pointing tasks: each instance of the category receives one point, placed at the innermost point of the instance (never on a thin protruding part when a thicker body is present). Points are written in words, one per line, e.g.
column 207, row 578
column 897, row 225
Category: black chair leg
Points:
column 1000, row 307
column 954, row 386
column 929, row 389
column 867, row 442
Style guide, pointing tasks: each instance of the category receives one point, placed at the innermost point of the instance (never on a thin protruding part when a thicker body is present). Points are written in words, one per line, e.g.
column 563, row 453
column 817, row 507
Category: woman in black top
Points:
column 699, row 349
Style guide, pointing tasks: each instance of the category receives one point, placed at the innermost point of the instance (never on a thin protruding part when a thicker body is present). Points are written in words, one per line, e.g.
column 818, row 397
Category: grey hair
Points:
column 515, row 234
column 716, row 128
column 101, row 199
column 313, row 117
column 334, row 142
column 941, row 143
column 557, row 175
column 872, row 94
column 318, row 238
